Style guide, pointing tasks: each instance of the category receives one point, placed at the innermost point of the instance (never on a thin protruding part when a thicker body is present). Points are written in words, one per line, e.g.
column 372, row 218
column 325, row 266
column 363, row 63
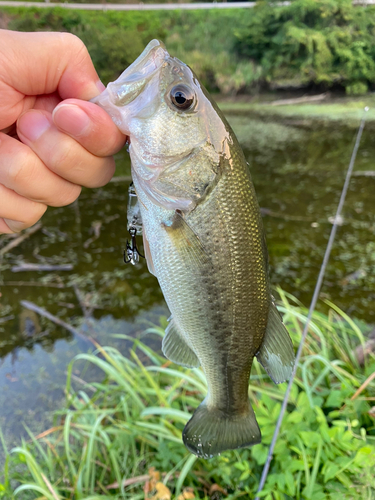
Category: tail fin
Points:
column 210, row 431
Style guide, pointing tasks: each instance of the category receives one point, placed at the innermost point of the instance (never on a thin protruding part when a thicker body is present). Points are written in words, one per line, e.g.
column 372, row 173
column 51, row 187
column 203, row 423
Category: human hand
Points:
column 52, row 141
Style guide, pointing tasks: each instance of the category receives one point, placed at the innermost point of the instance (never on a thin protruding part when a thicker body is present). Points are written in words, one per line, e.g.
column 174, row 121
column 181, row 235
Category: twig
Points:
column 128, row 482
column 298, row 100
column 69, row 305
column 6, row 318
column 271, row 213
column 41, row 267
column 364, row 173
column 121, row 178
column 32, row 283
column 49, row 486
column 96, row 227
column 362, row 351
column 103, row 465
column 49, row 431
column 363, row 386
column 111, row 218
column 87, row 309
column 57, row 321
column 14, row 243
column 81, row 381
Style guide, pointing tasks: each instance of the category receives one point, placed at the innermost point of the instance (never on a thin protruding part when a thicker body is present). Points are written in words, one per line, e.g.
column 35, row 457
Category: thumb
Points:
column 42, row 63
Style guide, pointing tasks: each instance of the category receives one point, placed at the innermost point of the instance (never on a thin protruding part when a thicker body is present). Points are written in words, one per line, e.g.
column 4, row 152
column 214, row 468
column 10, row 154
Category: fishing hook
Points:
column 132, row 253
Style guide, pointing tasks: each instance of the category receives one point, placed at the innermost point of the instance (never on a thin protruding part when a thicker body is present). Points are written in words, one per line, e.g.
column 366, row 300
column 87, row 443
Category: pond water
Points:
column 298, row 169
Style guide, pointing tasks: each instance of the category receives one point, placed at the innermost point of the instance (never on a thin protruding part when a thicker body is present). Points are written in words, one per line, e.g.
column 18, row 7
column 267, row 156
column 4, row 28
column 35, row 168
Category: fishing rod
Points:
column 314, row 300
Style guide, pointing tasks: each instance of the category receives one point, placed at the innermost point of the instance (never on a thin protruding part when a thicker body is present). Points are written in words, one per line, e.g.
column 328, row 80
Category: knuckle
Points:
column 22, row 168
column 77, row 47
column 69, row 196
column 35, row 213
column 63, row 159
column 72, row 40
column 14, row 172
column 103, row 174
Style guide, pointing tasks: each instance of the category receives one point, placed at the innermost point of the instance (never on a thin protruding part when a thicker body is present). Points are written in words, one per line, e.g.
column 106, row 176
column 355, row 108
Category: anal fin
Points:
column 176, row 349
column 276, row 353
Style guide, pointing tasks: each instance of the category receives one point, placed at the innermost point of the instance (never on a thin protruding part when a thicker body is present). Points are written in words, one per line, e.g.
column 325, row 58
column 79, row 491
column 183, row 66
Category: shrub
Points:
column 325, row 42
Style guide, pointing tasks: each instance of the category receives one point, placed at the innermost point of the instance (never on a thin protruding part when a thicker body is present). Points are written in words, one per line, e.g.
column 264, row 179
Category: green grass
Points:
column 121, row 427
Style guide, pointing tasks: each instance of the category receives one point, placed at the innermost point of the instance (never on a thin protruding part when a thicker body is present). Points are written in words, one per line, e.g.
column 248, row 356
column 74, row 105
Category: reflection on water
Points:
column 298, row 173
column 32, row 379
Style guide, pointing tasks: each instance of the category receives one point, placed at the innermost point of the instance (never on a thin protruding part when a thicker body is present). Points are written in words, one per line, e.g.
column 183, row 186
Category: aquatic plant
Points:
column 121, row 437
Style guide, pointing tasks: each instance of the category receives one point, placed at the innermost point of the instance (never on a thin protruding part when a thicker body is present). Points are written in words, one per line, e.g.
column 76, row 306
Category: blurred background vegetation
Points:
column 309, row 44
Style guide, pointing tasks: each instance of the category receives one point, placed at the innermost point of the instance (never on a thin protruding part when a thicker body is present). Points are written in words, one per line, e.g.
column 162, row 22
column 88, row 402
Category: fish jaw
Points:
column 119, row 95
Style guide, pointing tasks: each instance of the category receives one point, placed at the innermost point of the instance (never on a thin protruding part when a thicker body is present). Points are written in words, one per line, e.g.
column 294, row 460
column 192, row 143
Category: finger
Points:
column 40, row 63
column 17, row 212
column 90, row 125
column 47, row 102
column 61, row 153
column 22, row 171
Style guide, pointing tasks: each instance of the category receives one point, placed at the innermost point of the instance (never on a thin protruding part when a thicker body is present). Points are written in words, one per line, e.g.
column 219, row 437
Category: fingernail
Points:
column 33, row 124
column 100, row 85
column 14, row 225
column 71, row 119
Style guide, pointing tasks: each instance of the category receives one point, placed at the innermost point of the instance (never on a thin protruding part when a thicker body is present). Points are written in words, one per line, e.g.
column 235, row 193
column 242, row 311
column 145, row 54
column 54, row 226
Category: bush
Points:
column 326, row 42
column 356, row 88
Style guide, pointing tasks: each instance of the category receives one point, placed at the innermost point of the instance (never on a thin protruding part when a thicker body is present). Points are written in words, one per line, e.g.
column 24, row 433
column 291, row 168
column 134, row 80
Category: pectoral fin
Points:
column 187, row 242
column 276, row 354
column 148, row 256
column 176, row 349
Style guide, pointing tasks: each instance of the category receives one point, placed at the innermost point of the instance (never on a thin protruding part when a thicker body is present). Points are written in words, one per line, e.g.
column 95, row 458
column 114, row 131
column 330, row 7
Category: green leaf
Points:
column 330, row 470
column 244, row 475
column 259, row 453
column 310, row 439
column 335, row 399
column 344, row 479
column 290, row 484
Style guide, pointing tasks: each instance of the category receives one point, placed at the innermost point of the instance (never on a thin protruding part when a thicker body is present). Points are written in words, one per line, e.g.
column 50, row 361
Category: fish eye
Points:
column 182, row 96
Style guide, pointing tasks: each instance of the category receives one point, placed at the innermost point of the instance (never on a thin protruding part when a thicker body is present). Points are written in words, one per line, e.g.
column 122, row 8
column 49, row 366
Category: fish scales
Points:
column 204, row 241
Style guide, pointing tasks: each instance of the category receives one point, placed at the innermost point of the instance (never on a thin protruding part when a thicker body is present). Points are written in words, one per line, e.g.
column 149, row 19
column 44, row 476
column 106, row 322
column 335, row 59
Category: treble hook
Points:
column 132, row 251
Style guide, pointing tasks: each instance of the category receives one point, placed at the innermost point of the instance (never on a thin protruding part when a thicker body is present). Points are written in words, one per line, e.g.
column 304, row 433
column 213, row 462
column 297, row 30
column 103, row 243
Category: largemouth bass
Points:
column 204, row 241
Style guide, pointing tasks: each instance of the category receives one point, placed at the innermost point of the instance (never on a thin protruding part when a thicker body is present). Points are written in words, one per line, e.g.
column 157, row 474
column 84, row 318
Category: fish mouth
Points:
column 160, row 162
column 134, row 79
column 146, row 63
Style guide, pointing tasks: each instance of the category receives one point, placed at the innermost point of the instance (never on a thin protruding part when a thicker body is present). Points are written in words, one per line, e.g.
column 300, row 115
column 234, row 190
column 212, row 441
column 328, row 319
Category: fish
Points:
column 204, row 240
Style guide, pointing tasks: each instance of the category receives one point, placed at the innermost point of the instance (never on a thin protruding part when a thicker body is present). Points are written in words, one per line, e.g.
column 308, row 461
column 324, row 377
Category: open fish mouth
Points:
column 133, row 80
